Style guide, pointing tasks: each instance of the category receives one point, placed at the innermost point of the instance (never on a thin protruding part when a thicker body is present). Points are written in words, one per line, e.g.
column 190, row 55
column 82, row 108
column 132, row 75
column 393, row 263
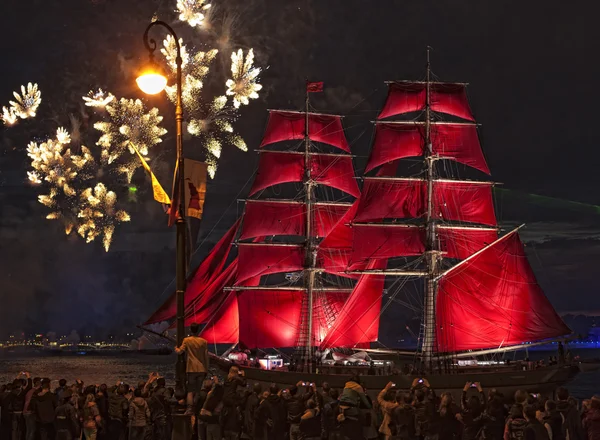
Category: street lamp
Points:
column 153, row 81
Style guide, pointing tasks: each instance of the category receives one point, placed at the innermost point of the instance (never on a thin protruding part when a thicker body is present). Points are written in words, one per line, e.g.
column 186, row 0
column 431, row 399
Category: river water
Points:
column 131, row 368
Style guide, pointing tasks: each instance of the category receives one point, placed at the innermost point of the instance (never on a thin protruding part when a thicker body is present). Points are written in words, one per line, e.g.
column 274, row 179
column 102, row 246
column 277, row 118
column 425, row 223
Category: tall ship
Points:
column 304, row 271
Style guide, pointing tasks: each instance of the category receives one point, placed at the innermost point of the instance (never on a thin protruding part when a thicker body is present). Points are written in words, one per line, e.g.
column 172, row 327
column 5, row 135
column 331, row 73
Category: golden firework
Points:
column 99, row 99
column 27, row 102
column 192, row 11
column 98, row 215
column 128, row 123
column 53, row 163
column 9, row 117
column 243, row 84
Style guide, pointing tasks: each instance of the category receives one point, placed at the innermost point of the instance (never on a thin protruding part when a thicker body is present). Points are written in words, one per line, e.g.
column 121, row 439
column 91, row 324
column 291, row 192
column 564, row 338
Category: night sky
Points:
column 533, row 71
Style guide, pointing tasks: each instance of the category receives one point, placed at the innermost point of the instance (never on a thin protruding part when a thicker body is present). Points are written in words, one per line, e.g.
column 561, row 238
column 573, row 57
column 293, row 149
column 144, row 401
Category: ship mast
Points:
column 309, row 271
column 432, row 255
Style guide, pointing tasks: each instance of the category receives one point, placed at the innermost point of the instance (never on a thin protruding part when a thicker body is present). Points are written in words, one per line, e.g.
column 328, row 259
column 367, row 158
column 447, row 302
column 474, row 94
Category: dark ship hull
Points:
column 506, row 379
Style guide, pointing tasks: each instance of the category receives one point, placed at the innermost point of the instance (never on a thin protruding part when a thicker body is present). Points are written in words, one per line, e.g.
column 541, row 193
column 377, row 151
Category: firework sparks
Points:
column 169, row 50
column 192, row 11
column 53, row 163
column 27, row 102
column 243, row 84
column 9, row 117
column 212, row 120
column 34, row 177
column 128, row 124
column 64, row 207
column 98, row 215
column 98, row 99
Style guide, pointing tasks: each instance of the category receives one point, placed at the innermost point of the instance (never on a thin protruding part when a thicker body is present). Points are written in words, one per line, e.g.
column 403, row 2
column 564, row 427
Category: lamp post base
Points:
column 182, row 427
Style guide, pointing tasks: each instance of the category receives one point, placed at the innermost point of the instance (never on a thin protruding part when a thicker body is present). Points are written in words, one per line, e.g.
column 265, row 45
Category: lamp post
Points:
column 152, row 82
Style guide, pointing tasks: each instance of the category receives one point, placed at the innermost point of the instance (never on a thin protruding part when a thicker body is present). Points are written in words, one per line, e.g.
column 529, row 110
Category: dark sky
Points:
column 533, row 72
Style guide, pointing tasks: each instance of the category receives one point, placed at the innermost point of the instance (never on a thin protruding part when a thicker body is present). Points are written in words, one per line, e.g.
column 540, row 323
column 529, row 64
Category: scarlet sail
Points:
column 332, row 170
column 406, row 97
column 358, row 321
column 326, row 216
column 336, row 171
column 208, row 271
column 273, row 218
column 454, row 141
column 224, row 328
column 461, row 242
column 459, row 142
column 397, row 198
column 275, row 167
column 375, row 242
column 464, row 201
column 493, row 300
column 287, row 126
column 205, row 306
column 269, row 318
column 258, row 259
column 394, row 141
column 335, row 250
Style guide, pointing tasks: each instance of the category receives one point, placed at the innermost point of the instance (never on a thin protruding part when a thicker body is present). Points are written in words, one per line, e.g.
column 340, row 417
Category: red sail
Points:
column 335, row 171
column 273, row 218
column 264, row 259
column 287, row 126
column 334, row 261
column 460, row 143
column 399, row 198
column 341, row 235
column 464, row 201
column 204, row 307
column 275, row 167
column 222, row 315
column 493, row 300
column 206, row 272
column 225, row 327
column 358, row 321
column 373, row 242
column 451, row 99
column 403, row 97
column 326, row 308
column 406, row 97
column 326, row 216
column 461, row 243
column 394, row 141
column 269, row 318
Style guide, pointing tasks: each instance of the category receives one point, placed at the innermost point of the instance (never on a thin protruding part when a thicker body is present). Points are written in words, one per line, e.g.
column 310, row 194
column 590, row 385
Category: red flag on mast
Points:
column 314, row 87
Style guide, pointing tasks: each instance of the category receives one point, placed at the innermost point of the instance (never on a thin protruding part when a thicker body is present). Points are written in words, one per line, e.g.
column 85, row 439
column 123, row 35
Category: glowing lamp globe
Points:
column 151, row 82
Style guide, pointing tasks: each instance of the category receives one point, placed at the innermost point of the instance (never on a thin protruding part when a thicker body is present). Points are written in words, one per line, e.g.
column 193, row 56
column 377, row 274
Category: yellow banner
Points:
column 159, row 193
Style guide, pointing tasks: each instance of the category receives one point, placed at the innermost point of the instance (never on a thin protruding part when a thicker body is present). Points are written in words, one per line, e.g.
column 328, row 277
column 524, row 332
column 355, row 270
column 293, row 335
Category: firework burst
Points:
column 98, row 215
column 26, row 103
column 53, row 163
column 192, row 11
column 63, row 207
column 99, row 99
column 9, row 117
column 211, row 119
column 128, row 123
column 55, row 166
column 243, row 84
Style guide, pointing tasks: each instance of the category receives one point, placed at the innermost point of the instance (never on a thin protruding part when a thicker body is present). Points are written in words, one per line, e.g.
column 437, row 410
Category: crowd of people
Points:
column 229, row 408
column 30, row 409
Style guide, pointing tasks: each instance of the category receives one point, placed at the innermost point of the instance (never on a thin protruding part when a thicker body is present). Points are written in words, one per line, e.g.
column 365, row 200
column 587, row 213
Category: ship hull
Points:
column 505, row 380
